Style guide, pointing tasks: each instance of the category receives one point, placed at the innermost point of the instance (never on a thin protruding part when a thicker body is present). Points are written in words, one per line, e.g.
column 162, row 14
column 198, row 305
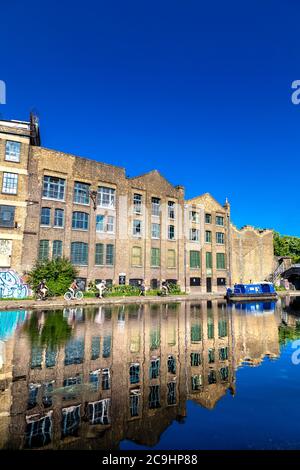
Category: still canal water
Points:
column 190, row 375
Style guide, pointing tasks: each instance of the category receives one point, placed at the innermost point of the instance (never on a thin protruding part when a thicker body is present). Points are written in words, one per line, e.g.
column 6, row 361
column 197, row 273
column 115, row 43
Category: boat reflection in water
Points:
column 91, row 378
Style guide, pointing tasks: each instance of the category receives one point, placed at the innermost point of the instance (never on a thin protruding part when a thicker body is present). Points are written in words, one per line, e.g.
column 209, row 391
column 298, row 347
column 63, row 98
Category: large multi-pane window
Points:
column 137, row 228
column 220, row 260
column 194, row 235
column 80, row 221
column 10, row 183
column 155, row 204
column 195, row 259
column 171, row 232
column 54, row 187
column 134, row 373
column 219, row 220
column 57, row 249
column 12, row 151
column 100, row 223
column 155, row 257
column 208, row 260
column 7, row 216
column 137, row 203
column 194, row 217
column 155, row 230
column 99, row 254
column 220, row 238
column 79, row 253
column 106, row 197
column 171, row 259
column 110, row 255
column 81, row 193
column 44, row 249
column 207, row 236
column 136, row 256
column 58, row 218
column 195, row 359
column 45, row 216
column 154, row 368
column 171, row 210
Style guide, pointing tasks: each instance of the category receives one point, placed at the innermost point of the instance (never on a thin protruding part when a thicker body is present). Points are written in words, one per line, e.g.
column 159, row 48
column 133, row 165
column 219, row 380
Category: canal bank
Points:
column 60, row 302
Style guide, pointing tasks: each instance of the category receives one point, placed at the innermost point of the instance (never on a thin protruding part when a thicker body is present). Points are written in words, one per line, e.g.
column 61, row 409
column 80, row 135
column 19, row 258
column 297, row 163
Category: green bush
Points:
column 59, row 274
column 124, row 290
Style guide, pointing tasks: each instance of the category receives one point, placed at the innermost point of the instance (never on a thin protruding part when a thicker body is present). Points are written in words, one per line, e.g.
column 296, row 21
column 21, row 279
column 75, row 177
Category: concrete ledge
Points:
column 60, row 302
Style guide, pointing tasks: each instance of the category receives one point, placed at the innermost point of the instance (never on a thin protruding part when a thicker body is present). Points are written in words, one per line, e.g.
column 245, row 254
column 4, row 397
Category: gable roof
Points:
column 205, row 198
column 155, row 178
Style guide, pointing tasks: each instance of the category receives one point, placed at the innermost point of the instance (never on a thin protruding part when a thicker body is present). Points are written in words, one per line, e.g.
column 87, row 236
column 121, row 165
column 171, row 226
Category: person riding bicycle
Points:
column 101, row 286
column 73, row 288
column 164, row 287
column 42, row 289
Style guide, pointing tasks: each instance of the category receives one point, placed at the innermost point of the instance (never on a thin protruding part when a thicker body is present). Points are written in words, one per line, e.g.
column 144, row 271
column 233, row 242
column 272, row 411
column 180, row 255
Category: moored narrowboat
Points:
column 260, row 291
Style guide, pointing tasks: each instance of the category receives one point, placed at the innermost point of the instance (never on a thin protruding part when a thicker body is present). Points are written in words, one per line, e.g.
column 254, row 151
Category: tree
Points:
column 59, row 274
column 287, row 246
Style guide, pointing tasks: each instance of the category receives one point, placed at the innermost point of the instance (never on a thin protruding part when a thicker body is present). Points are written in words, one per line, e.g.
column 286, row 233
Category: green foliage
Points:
column 288, row 333
column 59, row 274
column 54, row 333
column 287, row 246
column 123, row 290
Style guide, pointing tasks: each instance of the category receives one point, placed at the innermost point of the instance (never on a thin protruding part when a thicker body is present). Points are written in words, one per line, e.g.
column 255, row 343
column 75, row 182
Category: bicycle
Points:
column 78, row 295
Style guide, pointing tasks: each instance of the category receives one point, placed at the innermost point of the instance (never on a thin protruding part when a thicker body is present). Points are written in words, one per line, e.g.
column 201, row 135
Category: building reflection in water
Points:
column 89, row 378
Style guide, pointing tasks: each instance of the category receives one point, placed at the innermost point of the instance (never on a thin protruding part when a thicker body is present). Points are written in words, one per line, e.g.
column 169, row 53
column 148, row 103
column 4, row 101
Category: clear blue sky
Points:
column 198, row 90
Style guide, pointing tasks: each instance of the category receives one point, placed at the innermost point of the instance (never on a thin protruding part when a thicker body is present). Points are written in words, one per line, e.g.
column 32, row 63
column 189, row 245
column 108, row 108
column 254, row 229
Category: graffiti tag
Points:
column 12, row 286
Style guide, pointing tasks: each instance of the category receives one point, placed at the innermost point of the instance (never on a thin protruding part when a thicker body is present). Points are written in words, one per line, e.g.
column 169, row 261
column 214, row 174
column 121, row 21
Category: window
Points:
column 38, row 431
column 58, row 218
column 110, row 255
column 79, row 253
column 36, row 357
column 137, row 203
column 208, row 260
column 99, row 254
column 106, row 346
column 155, row 230
column 195, row 259
column 208, row 218
column 57, row 249
column 74, row 351
column 171, row 396
column 212, row 377
column 53, row 187
column 134, row 403
column 194, row 217
column 222, row 327
column 196, row 382
column 94, row 380
column 70, row 421
column 210, row 325
column 7, row 216
column 195, row 359
column 154, row 396
column 95, row 348
column 171, row 232
column 136, row 256
column 12, row 151
column 106, row 197
column 80, row 221
column 154, row 284
column 137, row 228
column 219, row 220
column 224, row 373
column 195, row 281
column 99, row 223
column 171, row 259
column 171, row 365
column 207, row 236
column 98, row 412
column 45, row 216
column 211, row 356
column 171, row 210
column 221, row 281
column 155, row 203
column 223, row 354
column 81, row 193
column 105, row 379
column 110, row 227
column 32, row 395
column 154, row 368
column 220, row 238
column 51, row 355
column 155, row 257
column 10, row 183
column 220, row 261
column 134, row 373
column 194, row 235
column 44, row 249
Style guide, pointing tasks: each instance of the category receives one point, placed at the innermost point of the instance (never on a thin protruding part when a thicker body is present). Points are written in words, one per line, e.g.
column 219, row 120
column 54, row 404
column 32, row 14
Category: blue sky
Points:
column 198, row 90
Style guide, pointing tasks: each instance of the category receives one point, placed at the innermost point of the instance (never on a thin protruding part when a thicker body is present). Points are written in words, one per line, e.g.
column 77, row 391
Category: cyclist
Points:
column 73, row 288
column 101, row 286
column 164, row 287
column 42, row 289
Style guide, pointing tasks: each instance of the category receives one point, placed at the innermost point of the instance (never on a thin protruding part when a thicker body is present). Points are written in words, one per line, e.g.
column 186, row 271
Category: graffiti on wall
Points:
column 12, row 285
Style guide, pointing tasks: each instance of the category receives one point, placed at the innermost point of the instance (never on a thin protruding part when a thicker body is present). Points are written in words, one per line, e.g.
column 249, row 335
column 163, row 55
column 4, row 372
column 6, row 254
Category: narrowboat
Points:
column 261, row 291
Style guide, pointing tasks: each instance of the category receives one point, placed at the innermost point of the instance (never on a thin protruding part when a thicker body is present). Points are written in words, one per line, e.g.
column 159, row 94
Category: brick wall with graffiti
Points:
column 12, row 285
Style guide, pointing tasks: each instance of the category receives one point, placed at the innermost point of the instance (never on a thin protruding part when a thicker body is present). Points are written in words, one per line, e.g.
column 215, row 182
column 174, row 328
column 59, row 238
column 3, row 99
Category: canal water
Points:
column 188, row 375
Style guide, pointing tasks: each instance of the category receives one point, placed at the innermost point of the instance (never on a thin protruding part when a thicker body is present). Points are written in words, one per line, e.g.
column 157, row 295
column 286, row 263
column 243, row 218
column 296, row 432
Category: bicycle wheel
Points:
column 79, row 295
column 68, row 296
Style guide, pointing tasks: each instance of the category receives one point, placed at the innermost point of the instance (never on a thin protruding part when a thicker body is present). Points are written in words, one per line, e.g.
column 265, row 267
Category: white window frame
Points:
column 10, row 176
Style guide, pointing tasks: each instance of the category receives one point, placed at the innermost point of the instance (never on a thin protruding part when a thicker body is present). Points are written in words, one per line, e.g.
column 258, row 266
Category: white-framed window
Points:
column 194, row 235
column 80, row 220
column 100, row 223
column 137, row 228
column 194, row 217
column 45, row 216
column 155, row 230
column 81, row 193
column 10, row 183
column 171, row 232
column 137, row 203
column 54, row 187
column 110, row 226
column 207, row 236
column 220, row 220
column 106, row 197
column 155, row 203
column 220, row 239
column 12, row 151
column 59, row 218
column 171, row 210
